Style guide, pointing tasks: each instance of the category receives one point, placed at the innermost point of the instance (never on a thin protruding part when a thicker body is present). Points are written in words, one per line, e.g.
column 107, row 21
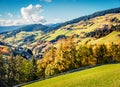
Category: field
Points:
column 80, row 27
column 112, row 37
column 101, row 76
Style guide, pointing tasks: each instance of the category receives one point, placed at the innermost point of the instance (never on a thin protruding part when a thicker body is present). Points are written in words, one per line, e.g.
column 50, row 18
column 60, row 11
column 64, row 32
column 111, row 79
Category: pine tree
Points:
column 33, row 69
column 11, row 67
column 2, row 72
column 18, row 61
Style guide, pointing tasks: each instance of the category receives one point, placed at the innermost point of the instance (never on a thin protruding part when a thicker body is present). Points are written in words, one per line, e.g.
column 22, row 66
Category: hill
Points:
column 96, row 14
column 88, row 29
column 107, row 39
column 101, row 76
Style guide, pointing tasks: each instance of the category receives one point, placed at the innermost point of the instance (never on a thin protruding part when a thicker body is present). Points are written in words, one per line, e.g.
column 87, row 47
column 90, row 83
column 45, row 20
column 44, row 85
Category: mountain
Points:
column 96, row 14
column 8, row 28
column 53, row 25
column 96, row 28
column 33, row 27
column 27, row 28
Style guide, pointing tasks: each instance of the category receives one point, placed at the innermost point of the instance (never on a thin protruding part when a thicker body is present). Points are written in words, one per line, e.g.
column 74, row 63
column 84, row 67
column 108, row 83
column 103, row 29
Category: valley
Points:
column 34, row 51
column 39, row 38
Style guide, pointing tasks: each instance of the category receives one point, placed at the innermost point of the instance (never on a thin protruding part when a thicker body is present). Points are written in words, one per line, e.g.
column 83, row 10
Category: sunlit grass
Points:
column 101, row 76
column 112, row 37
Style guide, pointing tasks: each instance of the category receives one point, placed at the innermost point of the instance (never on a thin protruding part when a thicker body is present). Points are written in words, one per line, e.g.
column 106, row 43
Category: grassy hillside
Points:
column 84, row 26
column 101, row 76
column 36, row 39
column 112, row 37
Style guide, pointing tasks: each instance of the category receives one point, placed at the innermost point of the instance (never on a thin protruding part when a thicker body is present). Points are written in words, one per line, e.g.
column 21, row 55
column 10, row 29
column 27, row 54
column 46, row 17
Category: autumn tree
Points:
column 41, row 66
column 51, row 70
column 100, row 54
column 115, row 52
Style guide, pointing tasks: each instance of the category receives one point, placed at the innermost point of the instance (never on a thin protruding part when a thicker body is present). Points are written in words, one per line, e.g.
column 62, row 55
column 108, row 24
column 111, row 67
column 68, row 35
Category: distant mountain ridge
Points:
column 50, row 27
column 8, row 28
column 27, row 28
column 33, row 27
column 87, row 17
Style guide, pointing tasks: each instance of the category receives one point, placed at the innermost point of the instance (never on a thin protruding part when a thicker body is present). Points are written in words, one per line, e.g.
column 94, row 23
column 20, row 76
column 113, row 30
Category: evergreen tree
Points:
column 33, row 69
column 11, row 68
column 18, row 61
column 2, row 72
column 25, row 70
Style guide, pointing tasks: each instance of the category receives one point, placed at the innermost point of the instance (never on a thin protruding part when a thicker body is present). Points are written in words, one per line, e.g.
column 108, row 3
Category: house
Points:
column 70, row 28
column 39, row 56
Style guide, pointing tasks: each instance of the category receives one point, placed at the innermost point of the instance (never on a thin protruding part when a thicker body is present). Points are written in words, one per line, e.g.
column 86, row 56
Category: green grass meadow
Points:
column 100, row 76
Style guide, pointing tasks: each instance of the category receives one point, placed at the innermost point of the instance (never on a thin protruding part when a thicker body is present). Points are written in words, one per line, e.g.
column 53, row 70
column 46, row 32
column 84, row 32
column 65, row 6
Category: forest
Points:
column 68, row 56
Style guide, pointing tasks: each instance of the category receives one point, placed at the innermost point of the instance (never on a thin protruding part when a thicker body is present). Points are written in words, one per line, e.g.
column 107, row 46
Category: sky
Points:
column 20, row 12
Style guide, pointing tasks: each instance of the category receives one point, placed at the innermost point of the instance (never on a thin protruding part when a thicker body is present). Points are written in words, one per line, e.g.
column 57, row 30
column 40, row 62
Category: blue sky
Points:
column 15, row 12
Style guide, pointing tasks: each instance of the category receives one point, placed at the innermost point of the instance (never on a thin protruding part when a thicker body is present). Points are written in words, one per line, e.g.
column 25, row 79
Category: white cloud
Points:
column 29, row 15
column 55, row 20
column 32, row 13
column 11, row 22
column 10, row 15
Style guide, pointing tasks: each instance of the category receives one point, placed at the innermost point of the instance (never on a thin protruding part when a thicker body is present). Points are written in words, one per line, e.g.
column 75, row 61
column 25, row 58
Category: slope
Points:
column 101, row 76
column 112, row 37
column 38, row 37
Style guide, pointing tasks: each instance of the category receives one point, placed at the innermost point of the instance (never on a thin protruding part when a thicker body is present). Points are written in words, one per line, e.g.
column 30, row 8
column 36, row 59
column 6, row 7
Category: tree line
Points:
column 67, row 56
column 103, row 32
column 16, row 70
